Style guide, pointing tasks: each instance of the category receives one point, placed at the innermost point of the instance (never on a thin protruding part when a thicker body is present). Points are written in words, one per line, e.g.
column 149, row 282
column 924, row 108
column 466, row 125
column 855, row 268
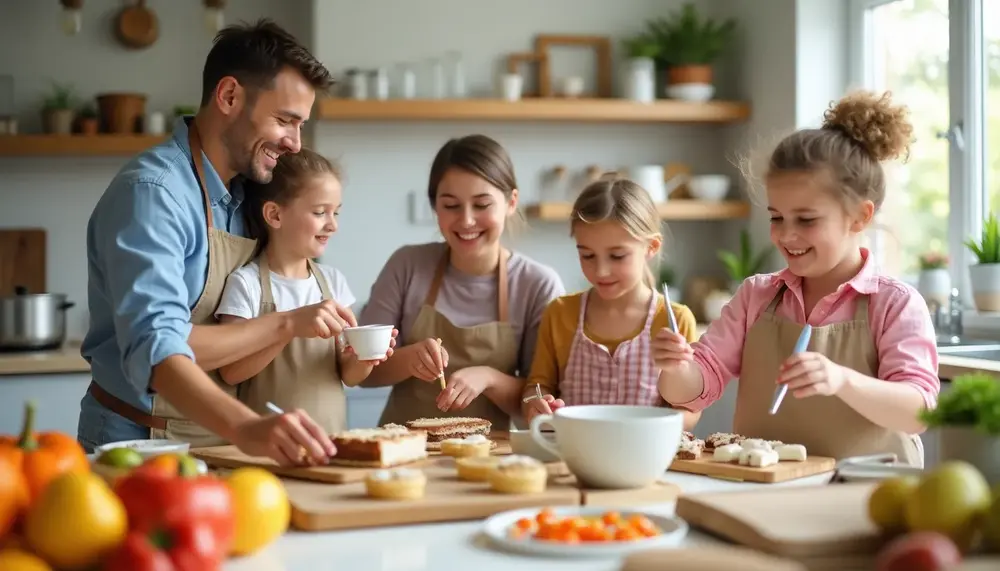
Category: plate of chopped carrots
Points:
column 581, row 531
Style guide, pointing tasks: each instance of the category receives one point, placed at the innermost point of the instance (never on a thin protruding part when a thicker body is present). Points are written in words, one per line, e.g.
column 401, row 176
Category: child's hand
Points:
column 808, row 374
column 392, row 344
column 545, row 405
column 428, row 360
column 670, row 350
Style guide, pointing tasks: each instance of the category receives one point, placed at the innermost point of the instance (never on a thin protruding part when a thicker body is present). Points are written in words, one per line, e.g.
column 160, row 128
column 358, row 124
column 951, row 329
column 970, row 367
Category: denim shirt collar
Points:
column 217, row 192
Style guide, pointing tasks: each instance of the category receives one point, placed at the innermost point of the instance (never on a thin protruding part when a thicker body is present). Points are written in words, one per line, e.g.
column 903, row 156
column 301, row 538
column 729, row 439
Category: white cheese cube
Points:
column 727, row 453
column 791, row 452
column 759, row 458
column 745, row 456
column 756, row 443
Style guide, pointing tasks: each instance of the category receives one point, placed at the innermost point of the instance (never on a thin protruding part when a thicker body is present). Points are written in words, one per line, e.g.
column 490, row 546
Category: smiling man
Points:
column 160, row 243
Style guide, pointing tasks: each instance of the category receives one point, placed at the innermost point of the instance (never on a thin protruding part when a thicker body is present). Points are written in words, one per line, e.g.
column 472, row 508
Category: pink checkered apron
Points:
column 595, row 376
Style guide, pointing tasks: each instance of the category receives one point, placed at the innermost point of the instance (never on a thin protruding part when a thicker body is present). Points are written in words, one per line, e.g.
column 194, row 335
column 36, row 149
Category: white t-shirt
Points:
column 241, row 296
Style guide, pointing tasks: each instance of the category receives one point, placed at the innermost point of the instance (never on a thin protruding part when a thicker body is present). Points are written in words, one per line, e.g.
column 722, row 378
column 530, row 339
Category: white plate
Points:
column 147, row 448
column 497, row 527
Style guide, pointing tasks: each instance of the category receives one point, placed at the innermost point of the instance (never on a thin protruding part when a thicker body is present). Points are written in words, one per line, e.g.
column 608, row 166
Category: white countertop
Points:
column 453, row 546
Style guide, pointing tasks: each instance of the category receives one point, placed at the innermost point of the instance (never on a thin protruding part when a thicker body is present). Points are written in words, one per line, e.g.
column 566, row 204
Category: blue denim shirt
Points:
column 147, row 260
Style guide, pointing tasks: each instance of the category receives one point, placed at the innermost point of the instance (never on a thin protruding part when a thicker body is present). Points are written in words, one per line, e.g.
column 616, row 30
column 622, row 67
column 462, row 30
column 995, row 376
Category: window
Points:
column 942, row 59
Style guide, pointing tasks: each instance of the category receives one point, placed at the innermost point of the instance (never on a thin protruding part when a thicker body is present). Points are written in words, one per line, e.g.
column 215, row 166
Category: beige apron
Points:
column 825, row 425
column 226, row 253
column 492, row 344
column 304, row 375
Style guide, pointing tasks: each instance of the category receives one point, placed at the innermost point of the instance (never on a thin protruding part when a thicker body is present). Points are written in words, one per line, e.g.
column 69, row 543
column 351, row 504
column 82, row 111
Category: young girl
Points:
column 293, row 217
column 594, row 347
column 871, row 365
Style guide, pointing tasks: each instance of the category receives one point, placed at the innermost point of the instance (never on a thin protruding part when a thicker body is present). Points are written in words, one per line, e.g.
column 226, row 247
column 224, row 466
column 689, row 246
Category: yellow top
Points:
column 558, row 327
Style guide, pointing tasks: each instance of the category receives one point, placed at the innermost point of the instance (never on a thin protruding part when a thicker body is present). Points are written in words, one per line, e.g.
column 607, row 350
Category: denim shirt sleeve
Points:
column 143, row 241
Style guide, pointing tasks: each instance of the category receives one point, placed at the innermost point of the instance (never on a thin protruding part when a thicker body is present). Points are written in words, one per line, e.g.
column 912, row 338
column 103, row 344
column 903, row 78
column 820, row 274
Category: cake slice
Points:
column 438, row 429
column 383, row 447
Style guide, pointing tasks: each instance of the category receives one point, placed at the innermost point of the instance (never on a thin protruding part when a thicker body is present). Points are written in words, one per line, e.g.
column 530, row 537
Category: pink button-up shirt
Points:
column 898, row 316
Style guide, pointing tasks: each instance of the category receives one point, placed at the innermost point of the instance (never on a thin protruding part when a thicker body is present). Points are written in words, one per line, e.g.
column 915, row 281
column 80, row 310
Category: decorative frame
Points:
column 601, row 46
column 515, row 60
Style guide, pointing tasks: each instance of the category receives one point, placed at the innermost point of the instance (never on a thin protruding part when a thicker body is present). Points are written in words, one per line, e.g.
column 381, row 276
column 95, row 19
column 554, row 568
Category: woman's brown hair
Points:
column 290, row 176
column 478, row 155
column 624, row 202
column 859, row 133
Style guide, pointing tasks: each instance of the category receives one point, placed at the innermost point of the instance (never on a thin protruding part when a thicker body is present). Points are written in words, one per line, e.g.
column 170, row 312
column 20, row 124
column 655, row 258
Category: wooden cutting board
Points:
column 721, row 558
column 780, row 472
column 797, row 522
column 22, row 260
column 320, row 507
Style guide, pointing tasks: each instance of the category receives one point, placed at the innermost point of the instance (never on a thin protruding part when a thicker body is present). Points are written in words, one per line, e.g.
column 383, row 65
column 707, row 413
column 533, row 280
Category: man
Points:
column 163, row 238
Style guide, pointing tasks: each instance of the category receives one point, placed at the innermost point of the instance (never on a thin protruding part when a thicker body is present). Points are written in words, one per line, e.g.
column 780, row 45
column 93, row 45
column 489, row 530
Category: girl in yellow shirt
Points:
column 594, row 346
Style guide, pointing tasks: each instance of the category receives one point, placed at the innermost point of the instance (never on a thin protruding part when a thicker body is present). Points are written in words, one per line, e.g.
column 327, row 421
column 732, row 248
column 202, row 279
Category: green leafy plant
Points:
column 987, row 249
column 181, row 110
column 743, row 264
column 686, row 38
column 641, row 45
column 933, row 261
column 973, row 401
column 61, row 97
column 88, row 111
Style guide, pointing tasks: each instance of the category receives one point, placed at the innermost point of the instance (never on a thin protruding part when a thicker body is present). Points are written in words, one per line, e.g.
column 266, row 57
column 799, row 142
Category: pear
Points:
column 951, row 500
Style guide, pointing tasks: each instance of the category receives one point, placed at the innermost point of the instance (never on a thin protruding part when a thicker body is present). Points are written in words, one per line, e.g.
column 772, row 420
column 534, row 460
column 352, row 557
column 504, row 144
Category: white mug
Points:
column 512, row 85
column 613, row 446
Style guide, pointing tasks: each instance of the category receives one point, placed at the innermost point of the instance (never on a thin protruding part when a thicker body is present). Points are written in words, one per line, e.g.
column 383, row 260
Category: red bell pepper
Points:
column 165, row 495
column 186, row 546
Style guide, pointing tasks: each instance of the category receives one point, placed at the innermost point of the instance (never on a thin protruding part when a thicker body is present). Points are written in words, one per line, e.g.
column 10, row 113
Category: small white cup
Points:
column 523, row 444
column 370, row 342
column 613, row 446
column 513, row 83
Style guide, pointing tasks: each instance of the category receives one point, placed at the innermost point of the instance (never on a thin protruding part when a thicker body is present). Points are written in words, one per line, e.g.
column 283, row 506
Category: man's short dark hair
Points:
column 254, row 54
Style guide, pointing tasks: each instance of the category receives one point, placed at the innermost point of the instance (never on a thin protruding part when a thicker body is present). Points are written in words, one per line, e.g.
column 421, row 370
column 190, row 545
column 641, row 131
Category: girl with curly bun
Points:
column 871, row 364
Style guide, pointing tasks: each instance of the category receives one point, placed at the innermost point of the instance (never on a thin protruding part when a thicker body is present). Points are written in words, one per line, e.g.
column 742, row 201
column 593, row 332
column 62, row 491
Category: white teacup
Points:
column 370, row 342
column 523, row 444
column 613, row 446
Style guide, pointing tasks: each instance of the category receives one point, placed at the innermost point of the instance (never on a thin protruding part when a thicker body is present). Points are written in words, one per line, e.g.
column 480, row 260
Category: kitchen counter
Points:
column 454, row 546
column 66, row 359
column 950, row 366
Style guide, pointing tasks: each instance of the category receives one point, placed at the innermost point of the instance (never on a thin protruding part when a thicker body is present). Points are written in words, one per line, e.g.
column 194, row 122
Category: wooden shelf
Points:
column 536, row 109
column 76, row 145
column 679, row 209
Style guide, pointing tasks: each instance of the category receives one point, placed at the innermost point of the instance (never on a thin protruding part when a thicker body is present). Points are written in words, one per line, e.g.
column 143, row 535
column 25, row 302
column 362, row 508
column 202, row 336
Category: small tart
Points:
column 396, row 484
column 476, row 468
column 516, row 474
column 471, row 445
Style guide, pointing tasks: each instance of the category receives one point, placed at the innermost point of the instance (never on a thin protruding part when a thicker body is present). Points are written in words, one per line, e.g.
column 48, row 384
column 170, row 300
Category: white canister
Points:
column 650, row 177
column 156, row 123
column 512, row 84
column 572, row 86
column 640, row 80
column 380, row 84
column 358, row 85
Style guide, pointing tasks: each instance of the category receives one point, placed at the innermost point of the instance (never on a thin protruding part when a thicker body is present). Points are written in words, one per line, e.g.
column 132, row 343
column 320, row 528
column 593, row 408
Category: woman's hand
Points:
column 428, row 360
column 545, row 405
column 463, row 386
column 392, row 344
column 809, row 374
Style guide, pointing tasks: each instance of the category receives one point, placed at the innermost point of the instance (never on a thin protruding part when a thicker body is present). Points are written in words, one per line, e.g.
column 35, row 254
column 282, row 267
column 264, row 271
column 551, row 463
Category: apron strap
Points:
column 653, row 299
column 861, row 309
column 583, row 310
column 266, row 295
column 502, row 290
column 194, row 141
column 324, row 287
column 773, row 306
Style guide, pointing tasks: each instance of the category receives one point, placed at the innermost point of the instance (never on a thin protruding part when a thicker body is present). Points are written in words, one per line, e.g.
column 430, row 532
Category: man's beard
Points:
column 238, row 139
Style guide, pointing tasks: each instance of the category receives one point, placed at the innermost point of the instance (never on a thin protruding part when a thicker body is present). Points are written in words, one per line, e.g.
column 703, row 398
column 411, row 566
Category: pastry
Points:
column 379, row 447
column 471, row 445
column 690, row 449
column 440, row 429
column 396, row 484
column 760, row 458
column 476, row 468
column 687, row 435
column 516, row 474
column 717, row 439
column 727, row 453
column 791, row 452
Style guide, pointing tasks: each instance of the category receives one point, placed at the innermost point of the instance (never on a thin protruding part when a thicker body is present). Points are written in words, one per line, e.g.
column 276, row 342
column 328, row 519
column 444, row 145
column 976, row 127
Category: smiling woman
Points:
column 465, row 307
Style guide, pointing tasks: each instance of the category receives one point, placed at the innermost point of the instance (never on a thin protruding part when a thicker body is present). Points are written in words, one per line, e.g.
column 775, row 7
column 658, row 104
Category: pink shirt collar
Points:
column 864, row 282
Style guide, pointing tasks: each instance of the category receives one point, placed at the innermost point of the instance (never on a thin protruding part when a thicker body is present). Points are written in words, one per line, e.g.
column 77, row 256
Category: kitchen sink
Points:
column 989, row 354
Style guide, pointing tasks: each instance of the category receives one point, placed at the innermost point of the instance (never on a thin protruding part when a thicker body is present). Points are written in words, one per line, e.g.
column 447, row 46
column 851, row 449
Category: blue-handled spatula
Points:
column 800, row 346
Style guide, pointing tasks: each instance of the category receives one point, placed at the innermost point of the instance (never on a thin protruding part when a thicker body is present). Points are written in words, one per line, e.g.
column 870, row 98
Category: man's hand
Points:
column 290, row 439
column 326, row 319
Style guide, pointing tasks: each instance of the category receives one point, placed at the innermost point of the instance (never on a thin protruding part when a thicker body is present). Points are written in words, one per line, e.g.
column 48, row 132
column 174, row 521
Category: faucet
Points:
column 955, row 313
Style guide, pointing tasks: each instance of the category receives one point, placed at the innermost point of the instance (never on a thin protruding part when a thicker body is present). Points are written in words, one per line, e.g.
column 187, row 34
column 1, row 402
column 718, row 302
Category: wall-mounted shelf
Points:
column 679, row 209
column 533, row 109
column 76, row 145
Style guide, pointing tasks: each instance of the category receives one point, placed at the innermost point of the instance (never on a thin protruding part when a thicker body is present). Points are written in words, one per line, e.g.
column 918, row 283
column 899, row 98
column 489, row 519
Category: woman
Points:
column 467, row 308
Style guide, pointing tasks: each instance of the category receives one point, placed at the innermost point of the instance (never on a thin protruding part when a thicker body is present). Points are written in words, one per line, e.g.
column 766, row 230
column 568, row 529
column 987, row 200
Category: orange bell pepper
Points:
column 38, row 458
column 11, row 495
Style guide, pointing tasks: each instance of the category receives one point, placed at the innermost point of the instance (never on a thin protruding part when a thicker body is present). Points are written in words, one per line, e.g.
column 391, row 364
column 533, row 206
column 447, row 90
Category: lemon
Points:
column 261, row 509
column 18, row 560
column 950, row 500
column 887, row 503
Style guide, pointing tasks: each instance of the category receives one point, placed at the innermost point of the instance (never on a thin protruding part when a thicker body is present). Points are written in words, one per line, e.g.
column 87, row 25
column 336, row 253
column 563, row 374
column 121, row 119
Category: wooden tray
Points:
column 317, row 507
column 780, row 472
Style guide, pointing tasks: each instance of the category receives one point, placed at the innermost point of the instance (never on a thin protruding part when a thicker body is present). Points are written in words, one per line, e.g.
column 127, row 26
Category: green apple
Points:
column 951, row 499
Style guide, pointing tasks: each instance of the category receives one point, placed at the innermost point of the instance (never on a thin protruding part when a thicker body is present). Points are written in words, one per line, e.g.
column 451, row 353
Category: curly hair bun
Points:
column 881, row 127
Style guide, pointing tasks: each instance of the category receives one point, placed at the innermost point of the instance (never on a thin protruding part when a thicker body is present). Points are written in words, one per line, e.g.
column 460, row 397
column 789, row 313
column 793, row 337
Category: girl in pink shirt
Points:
column 871, row 364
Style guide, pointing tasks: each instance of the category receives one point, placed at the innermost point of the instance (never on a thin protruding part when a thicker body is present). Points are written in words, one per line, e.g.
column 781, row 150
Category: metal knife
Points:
column 800, row 346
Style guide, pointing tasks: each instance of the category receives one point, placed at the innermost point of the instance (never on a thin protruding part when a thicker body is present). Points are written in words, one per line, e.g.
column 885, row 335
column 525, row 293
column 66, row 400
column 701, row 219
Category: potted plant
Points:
column 640, row 79
column 87, row 119
column 744, row 263
column 985, row 275
column 57, row 110
column 968, row 416
column 668, row 277
column 934, row 281
column 688, row 46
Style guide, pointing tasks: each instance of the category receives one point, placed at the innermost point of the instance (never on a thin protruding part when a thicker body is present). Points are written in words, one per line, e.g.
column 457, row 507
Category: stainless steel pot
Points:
column 33, row 321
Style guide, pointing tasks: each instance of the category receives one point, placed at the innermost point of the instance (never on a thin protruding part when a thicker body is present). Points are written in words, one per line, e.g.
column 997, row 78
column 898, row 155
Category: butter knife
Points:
column 670, row 310
column 800, row 346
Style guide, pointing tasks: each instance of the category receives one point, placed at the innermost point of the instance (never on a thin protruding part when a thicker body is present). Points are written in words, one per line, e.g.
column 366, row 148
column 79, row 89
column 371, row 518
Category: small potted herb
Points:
column 985, row 276
column 640, row 83
column 744, row 263
column 968, row 416
column 58, row 111
column 688, row 46
column 87, row 119
column 934, row 281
